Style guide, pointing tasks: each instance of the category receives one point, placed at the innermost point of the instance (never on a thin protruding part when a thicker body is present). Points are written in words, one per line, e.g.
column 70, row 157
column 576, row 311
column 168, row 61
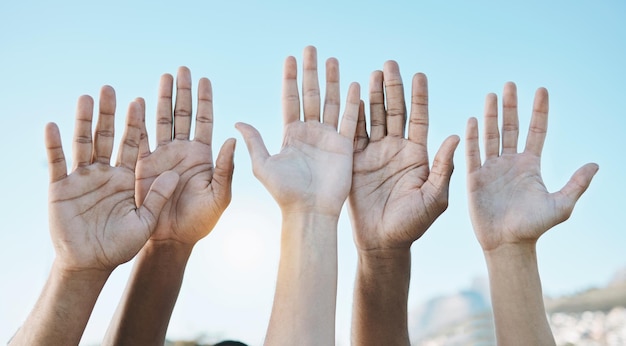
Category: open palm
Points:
column 395, row 197
column 94, row 221
column 508, row 200
column 204, row 191
column 312, row 172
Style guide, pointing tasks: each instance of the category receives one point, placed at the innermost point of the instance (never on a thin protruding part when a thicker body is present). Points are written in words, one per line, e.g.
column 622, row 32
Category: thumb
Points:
column 567, row 197
column 159, row 193
column 224, row 167
column 256, row 148
column 443, row 164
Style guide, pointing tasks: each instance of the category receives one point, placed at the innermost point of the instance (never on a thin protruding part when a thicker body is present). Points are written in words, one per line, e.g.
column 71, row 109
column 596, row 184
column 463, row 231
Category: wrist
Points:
column 169, row 246
column 511, row 258
column 67, row 272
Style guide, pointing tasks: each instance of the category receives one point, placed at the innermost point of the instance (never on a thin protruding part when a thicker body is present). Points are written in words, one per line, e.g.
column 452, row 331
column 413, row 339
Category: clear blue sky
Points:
column 53, row 52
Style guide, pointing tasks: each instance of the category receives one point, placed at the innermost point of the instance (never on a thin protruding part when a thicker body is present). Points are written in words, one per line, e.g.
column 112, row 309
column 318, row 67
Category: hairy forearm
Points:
column 63, row 308
column 304, row 303
column 144, row 312
column 379, row 312
column 516, row 295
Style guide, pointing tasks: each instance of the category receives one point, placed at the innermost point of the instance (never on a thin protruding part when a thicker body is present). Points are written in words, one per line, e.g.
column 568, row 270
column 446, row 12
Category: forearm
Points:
column 63, row 308
column 303, row 312
column 516, row 295
column 144, row 312
column 379, row 312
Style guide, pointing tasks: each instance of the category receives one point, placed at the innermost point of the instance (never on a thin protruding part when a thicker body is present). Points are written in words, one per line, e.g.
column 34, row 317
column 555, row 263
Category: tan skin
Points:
column 395, row 197
column 509, row 202
column 310, row 179
column 200, row 198
column 94, row 222
column 204, row 191
column 510, row 208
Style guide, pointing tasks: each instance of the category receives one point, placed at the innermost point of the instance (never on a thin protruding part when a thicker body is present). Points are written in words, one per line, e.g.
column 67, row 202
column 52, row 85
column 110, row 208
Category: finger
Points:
column 567, row 197
column 224, row 167
column 361, row 139
column 183, row 108
column 310, row 85
column 332, row 99
column 378, row 123
column 351, row 114
column 472, row 148
column 164, row 110
column 418, row 121
column 538, row 123
column 144, row 144
column 394, row 91
column 57, row 166
column 510, row 122
column 256, row 148
column 82, row 145
column 492, row 134
column 129, row 148
column 105, row 127
column 443, row 165
column 160, row 191
column 291, row 100
column 204, row 116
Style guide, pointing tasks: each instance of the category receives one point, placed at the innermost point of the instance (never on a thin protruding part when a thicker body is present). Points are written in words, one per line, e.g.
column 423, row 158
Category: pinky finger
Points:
column 56, row 159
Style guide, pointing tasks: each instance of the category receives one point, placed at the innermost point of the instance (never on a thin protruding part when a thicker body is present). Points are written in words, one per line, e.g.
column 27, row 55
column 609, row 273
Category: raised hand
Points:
column 312, row 172
column 310, row 179
column 201, row 196
column 510, row 209
column 395, row 197
column 204, row 191
column 508, row 200
column 94, row 222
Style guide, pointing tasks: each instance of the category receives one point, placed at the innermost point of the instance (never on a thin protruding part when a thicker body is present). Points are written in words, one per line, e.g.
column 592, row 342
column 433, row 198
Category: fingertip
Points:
column 510, row 85
column 454, row 138
column 420, row 76
column 332, row 62
column 183, row 70
column 355, row 91
column 390, row 64
column 310, row 49
column 167, row 77
column 85, row 99
column 204, row 82
column 107, row 90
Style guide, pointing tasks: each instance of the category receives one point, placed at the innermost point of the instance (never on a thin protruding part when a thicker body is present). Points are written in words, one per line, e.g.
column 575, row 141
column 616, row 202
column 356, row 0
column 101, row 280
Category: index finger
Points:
column 538, row 123
column 204, row 117
column 418, row 121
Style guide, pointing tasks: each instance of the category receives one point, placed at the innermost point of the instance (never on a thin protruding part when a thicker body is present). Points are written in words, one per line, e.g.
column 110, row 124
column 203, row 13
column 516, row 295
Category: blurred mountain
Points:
column 596, row 315
column 595, row 299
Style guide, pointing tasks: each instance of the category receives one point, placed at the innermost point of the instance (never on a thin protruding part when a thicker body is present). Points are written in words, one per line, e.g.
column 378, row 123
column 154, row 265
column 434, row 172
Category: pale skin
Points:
column 95, row 224
column 310, row 179
column 395, row 197
column 201, row 196
column 511, row 208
